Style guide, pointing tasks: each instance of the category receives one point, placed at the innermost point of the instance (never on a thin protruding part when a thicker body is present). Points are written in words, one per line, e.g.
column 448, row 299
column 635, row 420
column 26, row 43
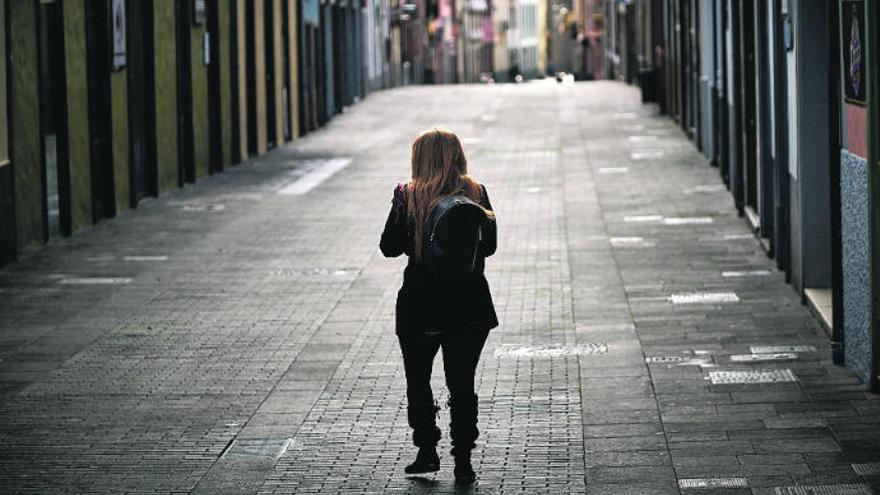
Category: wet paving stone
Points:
column 252, row 349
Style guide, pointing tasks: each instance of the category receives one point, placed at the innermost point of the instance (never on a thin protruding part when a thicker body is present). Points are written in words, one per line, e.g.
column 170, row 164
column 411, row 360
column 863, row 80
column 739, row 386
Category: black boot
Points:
column 423, row 420
column 427, row 461
column 464, row 472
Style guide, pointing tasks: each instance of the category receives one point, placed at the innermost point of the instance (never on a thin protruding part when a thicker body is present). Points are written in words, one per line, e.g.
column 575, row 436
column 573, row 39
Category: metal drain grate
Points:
column 625, row 241
column 712, row 482
column 94, row 280
column 760, row 358
column 613, row 170
column 550, row 350
column 746, row 273
column 146, row 258
column 747, row 377
column 838, row 489
column 272, row 448
column 199, row 208
column 642, row 218
column 665, row 359
column 704, row 298
column 646, row 155
column 867, row 469
column 776, row 349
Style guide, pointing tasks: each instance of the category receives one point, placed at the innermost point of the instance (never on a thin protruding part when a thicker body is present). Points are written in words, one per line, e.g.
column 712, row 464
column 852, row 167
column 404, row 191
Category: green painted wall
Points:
column 225, row 116
column 166, row 93
column 77, row 114
column 4, row 141
column 119, row 109
column 201, row 150
column 25, row 123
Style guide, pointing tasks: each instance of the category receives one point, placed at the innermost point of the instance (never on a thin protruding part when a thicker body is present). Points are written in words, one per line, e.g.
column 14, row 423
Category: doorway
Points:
column 100, row 126
column 747, row 110
column 141, row 100
column 53, row 121
column 215, row 110
column 186, row 163
column 269, row 55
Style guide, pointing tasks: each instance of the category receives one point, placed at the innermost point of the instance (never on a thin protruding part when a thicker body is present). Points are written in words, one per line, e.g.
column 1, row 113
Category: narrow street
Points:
column 237, row 336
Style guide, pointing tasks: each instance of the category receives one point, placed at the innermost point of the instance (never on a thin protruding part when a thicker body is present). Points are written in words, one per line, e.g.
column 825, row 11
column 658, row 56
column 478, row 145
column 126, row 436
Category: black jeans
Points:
column 461, row 353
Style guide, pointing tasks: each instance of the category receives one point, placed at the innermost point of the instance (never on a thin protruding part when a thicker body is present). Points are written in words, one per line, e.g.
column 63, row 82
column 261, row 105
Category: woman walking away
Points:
column 443, row 221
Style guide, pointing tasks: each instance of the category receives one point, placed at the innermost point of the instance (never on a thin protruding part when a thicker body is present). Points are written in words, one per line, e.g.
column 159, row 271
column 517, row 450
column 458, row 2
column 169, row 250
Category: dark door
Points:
column 781, row 201
column 215, row 109
column 339, row 72
column 141, row 107
column 286, row 92
column 269, row 36
column 187, row 166
column 53, row 121
column 308, row 78
column 747, row 110
column 251, row 71
column 100, row 128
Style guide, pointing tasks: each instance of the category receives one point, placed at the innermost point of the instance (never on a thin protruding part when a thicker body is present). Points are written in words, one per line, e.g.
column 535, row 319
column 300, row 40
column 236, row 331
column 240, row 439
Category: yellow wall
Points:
column 121, row 168
column 226, row 131
column 166, row 93
column 260, row 73
column 25, row 124
column 294, row 66
column 279, row 75
column 76, row 84
column 4, row 137
column 242, row 81
column 201, row 149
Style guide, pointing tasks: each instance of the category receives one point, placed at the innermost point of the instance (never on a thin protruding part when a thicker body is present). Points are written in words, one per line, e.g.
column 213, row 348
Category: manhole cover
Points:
column 712, row 482
column 703, row 298
column 757, row 358
column 665, row 359
column 613, row 170
column 776, row 349
column 746, row 273
column 94, row 280
column 687, row 221
column 867, row 469
column 751, row 376
column 551, row 350
column 839, row 489
column 642, row 218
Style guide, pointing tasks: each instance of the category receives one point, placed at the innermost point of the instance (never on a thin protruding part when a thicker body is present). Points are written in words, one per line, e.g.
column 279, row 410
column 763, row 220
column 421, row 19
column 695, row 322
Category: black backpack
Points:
column 452, row 236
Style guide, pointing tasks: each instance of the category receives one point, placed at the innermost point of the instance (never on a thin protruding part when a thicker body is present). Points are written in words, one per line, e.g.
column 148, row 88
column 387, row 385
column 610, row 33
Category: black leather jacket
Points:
column 427, row 303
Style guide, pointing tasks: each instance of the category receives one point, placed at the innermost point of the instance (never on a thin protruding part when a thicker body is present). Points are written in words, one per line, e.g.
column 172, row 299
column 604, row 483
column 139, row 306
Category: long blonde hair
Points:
column 439, row 169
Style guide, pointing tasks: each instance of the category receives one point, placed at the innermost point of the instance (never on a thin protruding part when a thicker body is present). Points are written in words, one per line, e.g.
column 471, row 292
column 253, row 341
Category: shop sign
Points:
column 853, row 45
column 118, row 34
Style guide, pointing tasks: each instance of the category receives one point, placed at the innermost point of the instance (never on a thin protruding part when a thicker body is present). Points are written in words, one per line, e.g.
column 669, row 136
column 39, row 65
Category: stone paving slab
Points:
column 226, row 338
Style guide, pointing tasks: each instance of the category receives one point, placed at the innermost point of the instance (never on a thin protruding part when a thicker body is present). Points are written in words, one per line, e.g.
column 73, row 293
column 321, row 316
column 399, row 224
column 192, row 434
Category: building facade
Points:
column 105, row 103
column 749, row 82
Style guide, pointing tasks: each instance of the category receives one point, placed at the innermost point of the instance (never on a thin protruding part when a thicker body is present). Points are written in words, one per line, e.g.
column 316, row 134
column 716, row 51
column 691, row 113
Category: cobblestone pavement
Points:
column 229, row 338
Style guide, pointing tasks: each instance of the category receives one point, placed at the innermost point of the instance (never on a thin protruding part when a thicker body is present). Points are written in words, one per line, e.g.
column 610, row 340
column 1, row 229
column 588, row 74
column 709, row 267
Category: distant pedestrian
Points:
column 443, row 220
